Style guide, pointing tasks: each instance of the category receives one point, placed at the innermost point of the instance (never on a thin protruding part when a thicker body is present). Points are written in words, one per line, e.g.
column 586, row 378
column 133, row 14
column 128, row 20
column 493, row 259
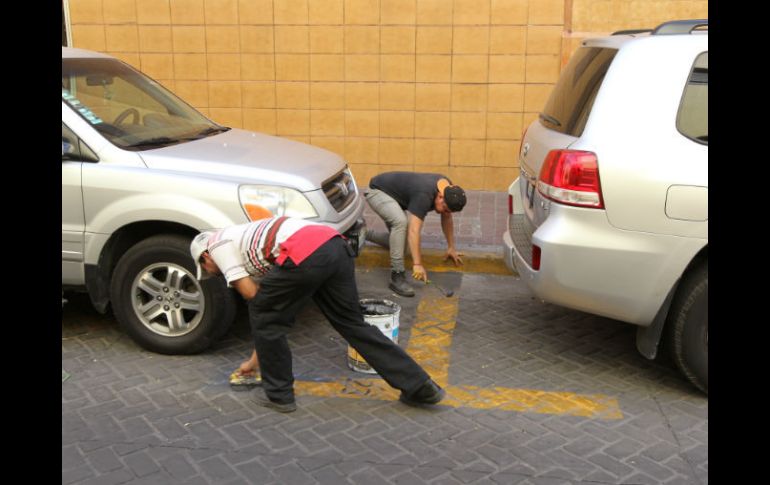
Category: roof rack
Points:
column 680, row 27
column 631, row 31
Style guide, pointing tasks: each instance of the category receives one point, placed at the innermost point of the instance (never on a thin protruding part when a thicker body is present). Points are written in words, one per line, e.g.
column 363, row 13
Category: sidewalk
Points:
column 478, row 228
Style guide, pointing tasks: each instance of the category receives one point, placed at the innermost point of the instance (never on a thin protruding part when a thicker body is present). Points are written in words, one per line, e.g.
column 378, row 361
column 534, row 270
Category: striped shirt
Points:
column 251, row 249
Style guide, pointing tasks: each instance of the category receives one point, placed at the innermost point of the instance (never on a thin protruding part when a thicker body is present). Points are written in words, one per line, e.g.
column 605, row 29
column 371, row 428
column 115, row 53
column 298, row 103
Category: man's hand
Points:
column 452, row 253
column 419, row 273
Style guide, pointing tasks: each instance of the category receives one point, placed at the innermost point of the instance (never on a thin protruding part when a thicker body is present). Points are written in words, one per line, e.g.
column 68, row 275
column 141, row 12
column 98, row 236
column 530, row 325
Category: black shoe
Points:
column 263, row 400
column 399, row 285
column 428, row 393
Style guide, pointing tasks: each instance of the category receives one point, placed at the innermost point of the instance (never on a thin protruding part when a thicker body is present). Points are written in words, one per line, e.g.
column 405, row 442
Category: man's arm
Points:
column 447, row 225
column 413, row 237
column 247, row 287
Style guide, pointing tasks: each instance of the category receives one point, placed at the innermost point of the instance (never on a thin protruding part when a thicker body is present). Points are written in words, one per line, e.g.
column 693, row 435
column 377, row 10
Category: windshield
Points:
column 129, row 109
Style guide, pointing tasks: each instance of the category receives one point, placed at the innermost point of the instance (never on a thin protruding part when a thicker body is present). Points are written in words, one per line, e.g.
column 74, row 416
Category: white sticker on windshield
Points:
column 83, row 110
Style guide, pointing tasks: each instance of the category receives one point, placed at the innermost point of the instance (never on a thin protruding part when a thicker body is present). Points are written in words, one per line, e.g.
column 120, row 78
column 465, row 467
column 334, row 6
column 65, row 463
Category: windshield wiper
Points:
column 550, row 119
column 159, row 141
column 165, row 140
column 213, row 129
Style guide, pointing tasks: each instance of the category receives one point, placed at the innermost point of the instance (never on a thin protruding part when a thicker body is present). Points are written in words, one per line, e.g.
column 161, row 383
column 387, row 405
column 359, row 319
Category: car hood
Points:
column 252, row 157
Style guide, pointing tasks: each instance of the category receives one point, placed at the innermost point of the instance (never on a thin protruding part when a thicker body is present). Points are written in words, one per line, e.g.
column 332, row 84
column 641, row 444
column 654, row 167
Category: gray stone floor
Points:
column 131, row 416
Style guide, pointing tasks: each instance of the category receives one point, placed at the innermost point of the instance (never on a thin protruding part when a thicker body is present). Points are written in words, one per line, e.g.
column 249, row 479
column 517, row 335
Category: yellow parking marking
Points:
column 432, row 336
column 429, row 344
column 369, row 388
column 433, row 259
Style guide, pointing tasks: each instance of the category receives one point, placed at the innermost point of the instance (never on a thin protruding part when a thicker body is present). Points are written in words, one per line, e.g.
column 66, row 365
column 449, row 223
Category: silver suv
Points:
column 610, row 212
column 143, row 172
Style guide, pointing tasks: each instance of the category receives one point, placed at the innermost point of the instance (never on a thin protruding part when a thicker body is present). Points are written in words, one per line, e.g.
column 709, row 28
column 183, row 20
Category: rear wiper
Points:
column 550, row 119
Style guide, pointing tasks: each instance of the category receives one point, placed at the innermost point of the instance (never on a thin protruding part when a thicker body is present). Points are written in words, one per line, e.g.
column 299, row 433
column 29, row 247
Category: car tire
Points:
column 161, row 305
column 688, row 327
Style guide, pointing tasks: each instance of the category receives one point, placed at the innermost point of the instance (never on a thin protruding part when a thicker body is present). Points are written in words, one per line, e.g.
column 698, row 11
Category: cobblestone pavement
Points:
column 131, row 416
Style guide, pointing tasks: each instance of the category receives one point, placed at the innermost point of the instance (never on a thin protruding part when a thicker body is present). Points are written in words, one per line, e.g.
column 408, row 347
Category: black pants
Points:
column 328, row 277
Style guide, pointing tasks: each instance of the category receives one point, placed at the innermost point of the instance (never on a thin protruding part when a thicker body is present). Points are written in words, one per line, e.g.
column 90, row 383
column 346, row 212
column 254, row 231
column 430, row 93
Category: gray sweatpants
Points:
column 395, row 219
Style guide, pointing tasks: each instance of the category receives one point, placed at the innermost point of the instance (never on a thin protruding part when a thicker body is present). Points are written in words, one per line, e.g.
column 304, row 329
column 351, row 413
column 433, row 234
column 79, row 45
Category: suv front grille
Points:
column 340, row 191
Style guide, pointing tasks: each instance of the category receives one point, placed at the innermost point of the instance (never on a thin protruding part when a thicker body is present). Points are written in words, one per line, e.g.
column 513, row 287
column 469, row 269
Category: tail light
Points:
column 571, row 177
column 510, row 204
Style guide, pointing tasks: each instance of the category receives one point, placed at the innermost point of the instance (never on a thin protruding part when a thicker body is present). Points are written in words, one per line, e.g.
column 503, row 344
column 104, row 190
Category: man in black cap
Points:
column 392, row 193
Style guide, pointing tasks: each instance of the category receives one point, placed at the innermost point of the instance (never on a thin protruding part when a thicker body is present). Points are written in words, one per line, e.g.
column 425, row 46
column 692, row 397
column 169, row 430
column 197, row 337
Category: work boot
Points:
column 428, row 393
column 399, row 285
column 281, row 407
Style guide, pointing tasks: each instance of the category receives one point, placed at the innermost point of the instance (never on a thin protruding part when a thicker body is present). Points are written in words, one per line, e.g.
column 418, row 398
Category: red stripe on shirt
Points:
column 302, row 243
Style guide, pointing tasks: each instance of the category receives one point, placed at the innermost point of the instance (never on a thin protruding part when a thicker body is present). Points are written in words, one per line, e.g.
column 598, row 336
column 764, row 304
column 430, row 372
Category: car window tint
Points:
column 693, row 118
column 573, row 96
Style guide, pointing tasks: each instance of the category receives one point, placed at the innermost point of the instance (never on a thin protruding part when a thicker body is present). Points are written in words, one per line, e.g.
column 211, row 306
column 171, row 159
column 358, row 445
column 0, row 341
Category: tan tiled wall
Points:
column 426, row 85
column 598, row 17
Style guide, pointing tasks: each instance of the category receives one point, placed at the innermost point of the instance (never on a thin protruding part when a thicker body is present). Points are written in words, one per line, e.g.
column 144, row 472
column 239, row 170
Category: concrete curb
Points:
column 433, row 259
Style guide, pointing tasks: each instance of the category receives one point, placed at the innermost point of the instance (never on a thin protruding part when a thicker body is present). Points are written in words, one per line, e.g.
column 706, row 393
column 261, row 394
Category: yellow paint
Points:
column 433, row 259
column 504, row 399
column 429, row 344
column 431, row 336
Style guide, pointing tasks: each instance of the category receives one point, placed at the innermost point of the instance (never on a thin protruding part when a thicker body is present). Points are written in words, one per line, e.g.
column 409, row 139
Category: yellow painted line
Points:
column 534, row 401
column 365, row 388
column 433, row 259
column 429, row 344
column 501, row 398
column 431, row 336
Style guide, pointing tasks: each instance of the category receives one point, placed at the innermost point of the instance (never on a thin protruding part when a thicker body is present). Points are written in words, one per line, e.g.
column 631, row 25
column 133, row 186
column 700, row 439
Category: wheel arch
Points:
column 648, row 338
column 98, row 276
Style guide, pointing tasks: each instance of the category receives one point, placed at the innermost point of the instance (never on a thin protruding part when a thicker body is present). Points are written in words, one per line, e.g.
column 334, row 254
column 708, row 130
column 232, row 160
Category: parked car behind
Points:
column 610, row 212
column 143, row 172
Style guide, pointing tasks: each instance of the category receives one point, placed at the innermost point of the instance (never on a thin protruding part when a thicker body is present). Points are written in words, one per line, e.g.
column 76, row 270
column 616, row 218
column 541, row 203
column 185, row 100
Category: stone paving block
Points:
column 310, row 442
column 429, row 473
column 104, row 460
column 368, row 476
column 77, row 474
column 216, row 469
column 113, row 478
column 329, row 476
column 383, row 448
column 350, row 466
column 141, row 463
column 388, row 471
column 178, row 467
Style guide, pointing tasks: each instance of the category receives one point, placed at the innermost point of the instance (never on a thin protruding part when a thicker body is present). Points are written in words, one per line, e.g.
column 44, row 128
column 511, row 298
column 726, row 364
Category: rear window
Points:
column 573, row 96
column 693, row 118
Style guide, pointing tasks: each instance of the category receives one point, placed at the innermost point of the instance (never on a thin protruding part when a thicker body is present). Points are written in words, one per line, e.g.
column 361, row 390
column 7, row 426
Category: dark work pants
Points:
column 328, row 277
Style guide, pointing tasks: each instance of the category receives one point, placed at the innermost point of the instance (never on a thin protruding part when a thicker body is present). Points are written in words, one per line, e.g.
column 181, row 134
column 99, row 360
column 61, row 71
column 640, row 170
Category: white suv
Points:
column 143, row 172
column 610, row 213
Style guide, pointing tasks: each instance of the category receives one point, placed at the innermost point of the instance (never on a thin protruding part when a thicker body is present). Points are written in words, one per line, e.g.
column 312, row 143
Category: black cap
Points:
column 454, row 196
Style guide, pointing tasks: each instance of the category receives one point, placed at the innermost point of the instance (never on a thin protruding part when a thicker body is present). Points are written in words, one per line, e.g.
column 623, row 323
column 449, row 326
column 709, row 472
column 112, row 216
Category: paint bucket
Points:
column 382, row 314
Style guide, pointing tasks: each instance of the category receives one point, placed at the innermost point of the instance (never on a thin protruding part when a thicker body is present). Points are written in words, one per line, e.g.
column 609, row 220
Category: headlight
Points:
column 260, row 201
